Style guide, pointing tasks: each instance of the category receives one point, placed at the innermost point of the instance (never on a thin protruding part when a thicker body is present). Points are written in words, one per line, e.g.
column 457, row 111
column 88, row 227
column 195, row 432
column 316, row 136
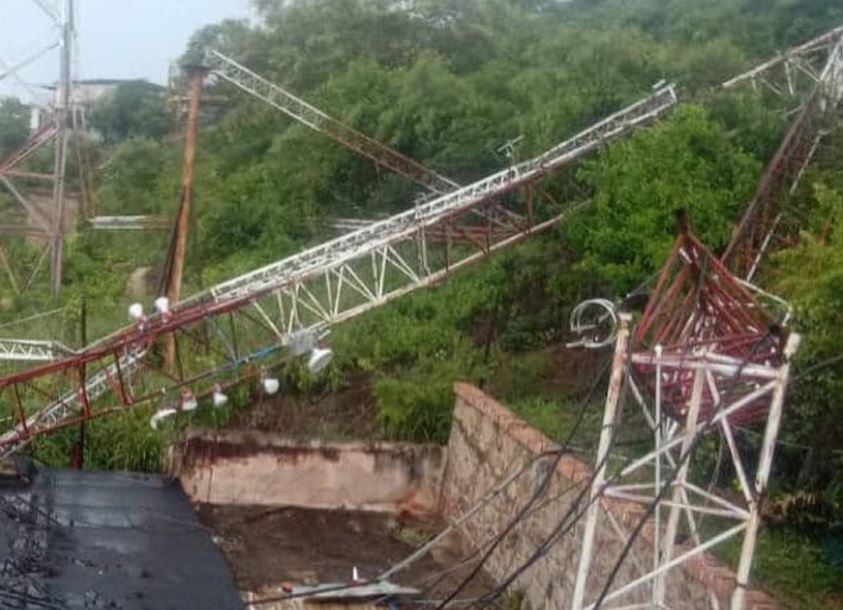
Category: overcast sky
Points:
column 116, row 38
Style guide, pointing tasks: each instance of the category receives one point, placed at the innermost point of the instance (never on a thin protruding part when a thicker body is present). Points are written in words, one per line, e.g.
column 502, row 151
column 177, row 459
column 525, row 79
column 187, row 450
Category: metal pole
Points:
column 676, row 494
column 60, row 159
column 174, row 284
column 658, row 583
column 179, row 249
column 765, row 463
column 83, row 340
column 607, row 432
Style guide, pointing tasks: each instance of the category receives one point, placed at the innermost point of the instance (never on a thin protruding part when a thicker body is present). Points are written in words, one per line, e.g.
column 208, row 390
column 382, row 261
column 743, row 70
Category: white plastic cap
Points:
column 271, row 386
column 136, row 311
column 319, row 359
column 189, row 402
column 162, row 305
column 219, row 399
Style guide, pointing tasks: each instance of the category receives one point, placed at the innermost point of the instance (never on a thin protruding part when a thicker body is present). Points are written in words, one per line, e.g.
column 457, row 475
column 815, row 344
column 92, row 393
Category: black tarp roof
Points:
column 71, row 539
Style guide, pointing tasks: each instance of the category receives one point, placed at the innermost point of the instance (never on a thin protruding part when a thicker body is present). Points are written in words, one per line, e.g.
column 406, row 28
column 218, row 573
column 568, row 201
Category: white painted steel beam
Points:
column 24, row 350
column 792, row 61
column 130, row 223
column 374, row 239
column 357, row 272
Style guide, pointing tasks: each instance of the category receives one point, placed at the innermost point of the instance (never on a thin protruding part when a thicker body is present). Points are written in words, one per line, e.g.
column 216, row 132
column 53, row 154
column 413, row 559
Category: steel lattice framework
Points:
column 56, row 133
column 237, row 323
column 814, row 70
column 370, row 266
column 796, row 70
column 25, row 350
column 296, row 108
column 705, row 357
column 130, row 223
column 301, row 111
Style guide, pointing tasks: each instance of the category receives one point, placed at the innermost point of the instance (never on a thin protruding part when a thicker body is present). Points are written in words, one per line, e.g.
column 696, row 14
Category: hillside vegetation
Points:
column 447, row 82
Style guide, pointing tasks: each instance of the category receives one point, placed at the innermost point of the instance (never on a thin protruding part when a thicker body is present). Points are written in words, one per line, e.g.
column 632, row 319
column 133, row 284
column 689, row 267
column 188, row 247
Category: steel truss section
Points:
column 24, row 350
column 74, row 406
column 130, row 223
column 254, row 84
column 795, row 70
column 754, row 233
column 232, row 326
column 56, row 133
column 704, row 358
column 661, row 476
column 314, row 118
column 379, row 234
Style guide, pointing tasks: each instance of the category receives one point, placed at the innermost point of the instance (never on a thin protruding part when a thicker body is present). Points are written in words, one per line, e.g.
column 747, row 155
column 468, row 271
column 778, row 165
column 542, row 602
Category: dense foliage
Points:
column 14, row 125
column 447, row 82
column 133, row 109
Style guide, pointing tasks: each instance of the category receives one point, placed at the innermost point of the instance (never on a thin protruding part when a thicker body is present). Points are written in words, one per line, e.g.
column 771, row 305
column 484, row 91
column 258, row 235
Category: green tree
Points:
column 132, row 180
column 14, row 125
column 686, row 162
column 810, row 275
column 133, row 109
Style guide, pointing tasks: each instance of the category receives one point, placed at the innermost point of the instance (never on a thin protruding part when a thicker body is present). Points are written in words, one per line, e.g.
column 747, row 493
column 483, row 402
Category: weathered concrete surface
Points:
column 237, row 467
column 487, row 444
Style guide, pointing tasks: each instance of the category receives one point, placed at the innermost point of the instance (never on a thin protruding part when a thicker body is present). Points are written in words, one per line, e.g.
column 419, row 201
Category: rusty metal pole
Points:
column 179, row 250
column 174, row 284
column 77, row 451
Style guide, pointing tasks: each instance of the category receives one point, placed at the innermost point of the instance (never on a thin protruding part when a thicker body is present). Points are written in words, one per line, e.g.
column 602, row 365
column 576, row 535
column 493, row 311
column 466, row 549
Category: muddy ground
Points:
column 350, row 413
column 267, row 546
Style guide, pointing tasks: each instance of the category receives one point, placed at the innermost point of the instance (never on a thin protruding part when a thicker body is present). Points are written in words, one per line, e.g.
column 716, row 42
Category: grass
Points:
column 125, row 441
column 792, row 568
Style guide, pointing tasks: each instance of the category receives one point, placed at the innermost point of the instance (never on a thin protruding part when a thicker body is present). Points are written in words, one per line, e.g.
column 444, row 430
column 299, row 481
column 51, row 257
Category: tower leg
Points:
column 60, row 162
column 765, row 462
column 606, row 434
column 681, row 476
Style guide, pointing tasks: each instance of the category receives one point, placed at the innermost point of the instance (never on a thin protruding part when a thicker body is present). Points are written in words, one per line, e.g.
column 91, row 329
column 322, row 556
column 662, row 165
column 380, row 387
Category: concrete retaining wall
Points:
column 239, row 467
column 487, row 444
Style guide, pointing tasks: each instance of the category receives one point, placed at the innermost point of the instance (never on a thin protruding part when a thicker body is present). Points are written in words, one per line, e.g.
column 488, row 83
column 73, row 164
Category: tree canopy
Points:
column 134, row 108
column 14, row 125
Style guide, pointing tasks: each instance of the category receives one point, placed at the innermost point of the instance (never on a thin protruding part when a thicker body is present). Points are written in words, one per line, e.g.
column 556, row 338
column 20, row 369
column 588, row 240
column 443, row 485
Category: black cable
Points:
column 541, row 489
column 563, row 526
column 357, row 585
column 430, row 583
column 561, row 529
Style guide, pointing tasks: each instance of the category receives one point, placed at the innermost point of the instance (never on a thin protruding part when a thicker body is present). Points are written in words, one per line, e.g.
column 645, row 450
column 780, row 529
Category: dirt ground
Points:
column 348, row 414
column 267, row 546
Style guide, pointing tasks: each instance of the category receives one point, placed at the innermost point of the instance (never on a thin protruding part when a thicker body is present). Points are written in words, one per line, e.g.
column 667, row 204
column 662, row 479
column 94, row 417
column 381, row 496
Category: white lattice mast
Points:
column 705, row 357
column 61, row 118
column 45, row 224
column 258, row 314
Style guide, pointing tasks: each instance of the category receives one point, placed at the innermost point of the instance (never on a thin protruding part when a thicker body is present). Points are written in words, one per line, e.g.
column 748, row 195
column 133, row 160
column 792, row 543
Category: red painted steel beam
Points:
column 760, row 215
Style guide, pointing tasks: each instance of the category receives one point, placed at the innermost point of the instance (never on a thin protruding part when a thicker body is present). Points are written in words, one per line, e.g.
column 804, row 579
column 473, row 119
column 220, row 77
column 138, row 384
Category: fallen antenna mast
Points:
column 252, row 316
